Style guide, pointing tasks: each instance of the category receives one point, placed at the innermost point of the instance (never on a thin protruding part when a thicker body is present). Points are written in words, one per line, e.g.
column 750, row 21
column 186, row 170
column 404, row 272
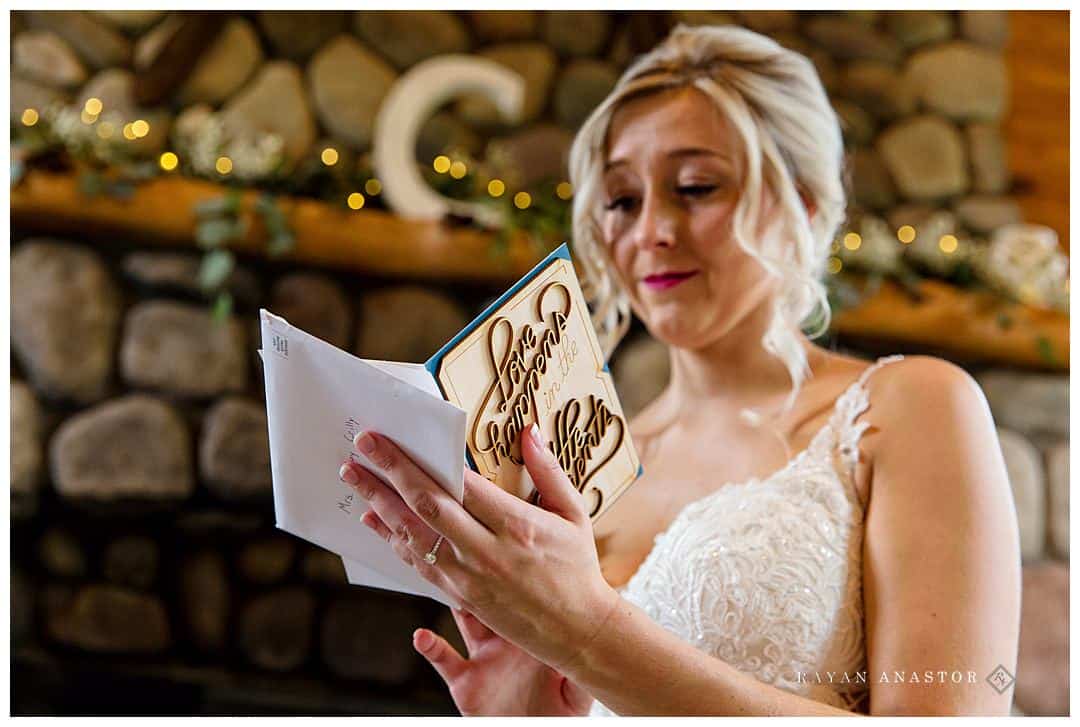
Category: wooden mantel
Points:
column 968, row 323
column 162, row 210
column 975, row 325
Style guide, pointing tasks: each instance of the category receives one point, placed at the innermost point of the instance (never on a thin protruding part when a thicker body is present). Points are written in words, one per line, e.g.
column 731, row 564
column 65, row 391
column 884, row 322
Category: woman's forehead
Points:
column 671, row 122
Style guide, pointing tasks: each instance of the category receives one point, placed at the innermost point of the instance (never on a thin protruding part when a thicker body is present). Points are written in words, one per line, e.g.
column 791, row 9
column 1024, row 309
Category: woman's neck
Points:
column 735, row 370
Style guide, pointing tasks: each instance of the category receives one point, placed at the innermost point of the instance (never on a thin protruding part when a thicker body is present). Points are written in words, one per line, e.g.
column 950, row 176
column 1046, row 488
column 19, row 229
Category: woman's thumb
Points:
column 440, row 654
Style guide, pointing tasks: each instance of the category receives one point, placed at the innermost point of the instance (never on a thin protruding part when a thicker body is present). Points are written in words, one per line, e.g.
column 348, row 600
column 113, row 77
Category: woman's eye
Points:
column 696, row 190
column 624, row 203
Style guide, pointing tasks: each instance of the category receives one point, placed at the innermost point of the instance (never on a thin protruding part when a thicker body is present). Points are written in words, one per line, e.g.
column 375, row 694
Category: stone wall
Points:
column 141, row 491
column 143, row 535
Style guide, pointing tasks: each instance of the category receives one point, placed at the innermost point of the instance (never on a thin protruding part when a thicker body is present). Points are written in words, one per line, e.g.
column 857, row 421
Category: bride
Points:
column 813, row 534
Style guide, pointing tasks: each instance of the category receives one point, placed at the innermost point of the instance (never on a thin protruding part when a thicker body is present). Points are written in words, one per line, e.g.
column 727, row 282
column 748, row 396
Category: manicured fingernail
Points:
column 365, row 442
column 534, row 432
column 347, row 475
column 423, row 639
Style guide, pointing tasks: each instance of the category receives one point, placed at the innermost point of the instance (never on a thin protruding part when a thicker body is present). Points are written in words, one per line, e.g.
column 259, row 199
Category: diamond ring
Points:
column 432, row 554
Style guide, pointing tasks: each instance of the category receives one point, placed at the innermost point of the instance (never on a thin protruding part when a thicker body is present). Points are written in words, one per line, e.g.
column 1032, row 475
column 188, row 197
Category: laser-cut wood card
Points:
column 532, row 356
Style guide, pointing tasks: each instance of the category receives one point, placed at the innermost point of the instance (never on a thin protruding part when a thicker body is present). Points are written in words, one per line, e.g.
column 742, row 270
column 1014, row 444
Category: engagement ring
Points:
column 432, row 554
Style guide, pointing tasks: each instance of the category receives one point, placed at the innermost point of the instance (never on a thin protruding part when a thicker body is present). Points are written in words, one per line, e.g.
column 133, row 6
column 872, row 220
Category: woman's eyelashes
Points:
column 701, row 189
column 626, row 202
column 622, row 203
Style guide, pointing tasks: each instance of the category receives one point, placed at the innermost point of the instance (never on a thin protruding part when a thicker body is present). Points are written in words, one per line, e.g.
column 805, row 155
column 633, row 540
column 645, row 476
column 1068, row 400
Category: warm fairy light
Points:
column 906, row 234
column 329, row 156
column 522, row 200
column 458, row 170
column 441, row 164
column 496, row 187
column 105, row 130
column 835, row 265
column 564, row 190
column 129, row 133
column 373, row 187
column 93, row 106
column 835, row 247
column 140, row 128
column 87, row 117
column 356, row 201
column 948, row 244
column 29, row 117
column 852, row 240
column 223, row 165
column 168, row 161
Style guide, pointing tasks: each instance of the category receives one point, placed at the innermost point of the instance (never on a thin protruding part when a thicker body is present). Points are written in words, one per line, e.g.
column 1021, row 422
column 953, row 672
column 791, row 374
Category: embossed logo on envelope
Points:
column 536, row 358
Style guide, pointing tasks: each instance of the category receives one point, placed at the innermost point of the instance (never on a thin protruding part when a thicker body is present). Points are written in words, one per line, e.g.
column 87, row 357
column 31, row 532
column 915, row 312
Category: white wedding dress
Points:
column 766, row 575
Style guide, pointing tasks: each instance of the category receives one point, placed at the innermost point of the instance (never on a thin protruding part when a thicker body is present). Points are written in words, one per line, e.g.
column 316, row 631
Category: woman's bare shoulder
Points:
column 924, row 392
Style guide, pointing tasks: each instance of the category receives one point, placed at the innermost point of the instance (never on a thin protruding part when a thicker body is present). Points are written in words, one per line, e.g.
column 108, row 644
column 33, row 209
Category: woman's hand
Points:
column 498, row 678
column 530, row 573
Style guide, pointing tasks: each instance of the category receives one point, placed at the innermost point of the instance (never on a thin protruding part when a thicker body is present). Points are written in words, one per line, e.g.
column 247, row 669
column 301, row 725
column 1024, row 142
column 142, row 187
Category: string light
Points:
column 373, row 187
column 835, row 247
column 140, row 128
column 458, row 170
column 522, row 200
column 93, row 106
column 852, row 240
column 129, row 133
column 356, row 201
column 948, row 244
column 29, row 117
column 87, row 117
column 835, row 265
column 496, row 187
column 168, row 161
column 223, row 165
column 564, row 190
column 906, row 234
column 105, row 130
column 441, row 164
column 329, row 156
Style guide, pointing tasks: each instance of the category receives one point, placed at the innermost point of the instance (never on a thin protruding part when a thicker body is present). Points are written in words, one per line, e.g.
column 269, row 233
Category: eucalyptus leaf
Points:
column 90, row 184
column 226, row 204
column 1046, row 350
column 223, row 306
column 281, row 243
column 214, row 232
column 216, row 267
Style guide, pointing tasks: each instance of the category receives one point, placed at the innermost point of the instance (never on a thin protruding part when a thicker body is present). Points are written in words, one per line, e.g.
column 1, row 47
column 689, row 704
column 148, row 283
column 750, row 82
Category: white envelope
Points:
column 317, row 398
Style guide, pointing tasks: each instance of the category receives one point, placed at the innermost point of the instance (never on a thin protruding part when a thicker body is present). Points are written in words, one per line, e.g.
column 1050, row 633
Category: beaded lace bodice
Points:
column 766, row 575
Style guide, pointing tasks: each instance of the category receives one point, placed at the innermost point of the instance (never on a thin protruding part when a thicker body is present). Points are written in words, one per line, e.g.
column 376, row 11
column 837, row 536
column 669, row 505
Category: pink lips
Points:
column 667, row 280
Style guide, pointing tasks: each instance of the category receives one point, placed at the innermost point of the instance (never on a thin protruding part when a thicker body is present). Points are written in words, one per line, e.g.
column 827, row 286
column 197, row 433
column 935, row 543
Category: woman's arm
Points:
column 941, row 578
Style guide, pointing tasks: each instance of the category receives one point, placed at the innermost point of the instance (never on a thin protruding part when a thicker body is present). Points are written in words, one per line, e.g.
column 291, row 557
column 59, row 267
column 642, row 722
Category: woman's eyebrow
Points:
column 688, row 151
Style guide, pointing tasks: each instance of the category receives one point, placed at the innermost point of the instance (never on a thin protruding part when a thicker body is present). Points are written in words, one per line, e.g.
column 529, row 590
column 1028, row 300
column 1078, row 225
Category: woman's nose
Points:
column 656, row 225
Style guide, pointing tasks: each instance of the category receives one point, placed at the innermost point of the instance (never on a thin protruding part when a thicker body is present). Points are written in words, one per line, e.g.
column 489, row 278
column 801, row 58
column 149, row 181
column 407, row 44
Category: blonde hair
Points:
column 791, row 135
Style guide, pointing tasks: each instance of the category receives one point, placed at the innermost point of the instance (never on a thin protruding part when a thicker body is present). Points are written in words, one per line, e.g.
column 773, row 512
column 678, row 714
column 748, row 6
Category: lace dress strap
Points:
column 849, row 406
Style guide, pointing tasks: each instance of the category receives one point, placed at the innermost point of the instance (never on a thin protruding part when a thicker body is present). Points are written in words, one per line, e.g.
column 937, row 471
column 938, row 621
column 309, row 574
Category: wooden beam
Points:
column 976, row 325
column 162, row 210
